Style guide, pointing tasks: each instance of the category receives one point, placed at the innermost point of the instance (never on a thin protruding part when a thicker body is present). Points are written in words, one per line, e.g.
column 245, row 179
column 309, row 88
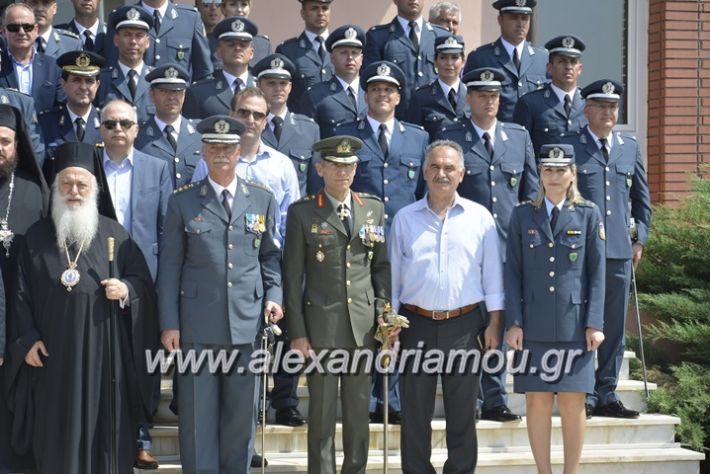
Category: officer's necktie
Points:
column 553, row 218
column 88, row 41
column 278, row 126
column 516, row 59
column 321, row 48
column 156, row 20
column 236, row 86
column 40, row 45
column 132, row 82
column 568, row 105
column 413, row 34
column 605, row 151
column 168, row 130
column 382, row 139
column 80, row 129
column 225, row 204
column 488, row 144
column 344, row 215
column 452, row 98
column 351, row 95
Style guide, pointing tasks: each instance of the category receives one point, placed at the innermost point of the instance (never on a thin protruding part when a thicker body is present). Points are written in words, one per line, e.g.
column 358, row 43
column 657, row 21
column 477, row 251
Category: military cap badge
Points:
column 350, row 33
column 133, row 14
column 221, row 126
column 451, row 42
column 556, row 153
column 277, row 63
column 4, row 99
column 171, row 73
column 521, row 3
column 344, row 147
column 237, row 25
column 487, row 76
column 83, row 60
column 384, row 70
column 608, row 88
column 568, row 42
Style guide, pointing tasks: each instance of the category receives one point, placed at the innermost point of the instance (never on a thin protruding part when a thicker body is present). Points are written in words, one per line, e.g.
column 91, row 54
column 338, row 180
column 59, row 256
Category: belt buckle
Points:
column 435, row 318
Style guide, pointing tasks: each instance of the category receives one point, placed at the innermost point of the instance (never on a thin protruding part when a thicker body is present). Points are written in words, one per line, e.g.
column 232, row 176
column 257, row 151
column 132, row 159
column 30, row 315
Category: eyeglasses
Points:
column 15, row 27
column 124, row 123
column 245, row 113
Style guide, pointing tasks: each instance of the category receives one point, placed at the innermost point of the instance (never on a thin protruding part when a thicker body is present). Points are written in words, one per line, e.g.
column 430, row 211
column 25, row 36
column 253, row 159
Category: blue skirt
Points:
column 553, row 367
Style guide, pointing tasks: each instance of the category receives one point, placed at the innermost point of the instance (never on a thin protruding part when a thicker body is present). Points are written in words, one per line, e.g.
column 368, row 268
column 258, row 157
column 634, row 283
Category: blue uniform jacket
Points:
column 62, row 41
column 502, row 182
column 181, row 162
column 330, row 106
column 432, row 110
column 532, row 75
column 99, row 41
column 612, row 186
column 260, row 43
column 209, row 97
column 26, row 104
column 57, row 128
column 543, row 115
column 554, row 283
column 114, row 85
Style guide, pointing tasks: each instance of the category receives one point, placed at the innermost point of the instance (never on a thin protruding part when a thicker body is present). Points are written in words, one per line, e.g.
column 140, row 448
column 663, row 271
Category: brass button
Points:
column 552, row 259
column 229, row 284
column 552, row 274
column 552, row 289
column 347, row 264
column 350, row 300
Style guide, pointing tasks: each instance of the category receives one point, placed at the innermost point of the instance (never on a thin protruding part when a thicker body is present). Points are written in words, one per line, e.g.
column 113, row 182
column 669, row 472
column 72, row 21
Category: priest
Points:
column 61, row 331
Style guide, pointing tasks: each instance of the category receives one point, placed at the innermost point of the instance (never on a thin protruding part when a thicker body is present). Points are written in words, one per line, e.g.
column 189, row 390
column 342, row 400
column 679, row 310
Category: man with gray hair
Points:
column 447, row 15
column 446, row 242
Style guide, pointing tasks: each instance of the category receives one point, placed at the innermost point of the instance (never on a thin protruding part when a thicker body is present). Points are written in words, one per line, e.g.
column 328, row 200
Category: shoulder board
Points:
column 412, row 125
column 368, row 196
column 204, row 80
column 454, row 126
column 290, row 40
column 380, row 27
column 441, row 29
column 256, row 184
column 184, row 6
column 66, row 33
column 266, row 37
column 524, row 203
column 185, row 188
column 626, row 136
column 512, row 126
column 586, row 203
column 18, row 91
column 308, row 198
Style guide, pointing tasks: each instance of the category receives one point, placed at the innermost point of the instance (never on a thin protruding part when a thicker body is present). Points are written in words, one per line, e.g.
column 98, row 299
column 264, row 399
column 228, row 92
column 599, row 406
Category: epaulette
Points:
column 412, row 125
column 13, row 89
column 185, row 6
column 307, row 198
column 627, row 136
column 185, row 188
column 453, row 126
column 64, row 32
column 380, row 27
column 204, row 80
column 266, row 37
column 257, row 184
column 434, row 27
column 368, row 196
column 512, row 126
column 303, row 118
column 290, row 40
column 523, row 203
column 586, row 203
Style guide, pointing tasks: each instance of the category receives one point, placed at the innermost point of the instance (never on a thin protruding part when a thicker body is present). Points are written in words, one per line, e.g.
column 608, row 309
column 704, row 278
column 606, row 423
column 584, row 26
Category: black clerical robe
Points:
column 62, row 410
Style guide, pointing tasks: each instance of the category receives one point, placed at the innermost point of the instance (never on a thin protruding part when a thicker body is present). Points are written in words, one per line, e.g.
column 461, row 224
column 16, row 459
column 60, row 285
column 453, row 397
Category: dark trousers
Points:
column 284, row 394
column 418, row 395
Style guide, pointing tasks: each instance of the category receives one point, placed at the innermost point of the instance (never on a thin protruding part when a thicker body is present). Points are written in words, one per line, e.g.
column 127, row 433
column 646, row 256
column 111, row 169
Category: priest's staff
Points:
column 634, row 234
column 112, row 333
column 267, row 340
column 389, row 320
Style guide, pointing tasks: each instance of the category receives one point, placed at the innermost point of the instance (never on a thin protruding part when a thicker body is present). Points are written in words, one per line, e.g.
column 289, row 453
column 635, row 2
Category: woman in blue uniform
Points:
column 554, row 292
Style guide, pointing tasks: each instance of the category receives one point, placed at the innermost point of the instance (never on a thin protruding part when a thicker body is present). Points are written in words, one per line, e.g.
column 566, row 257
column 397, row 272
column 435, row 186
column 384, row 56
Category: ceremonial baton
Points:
column 267, row 339
column 113, row 395
column 390, row 320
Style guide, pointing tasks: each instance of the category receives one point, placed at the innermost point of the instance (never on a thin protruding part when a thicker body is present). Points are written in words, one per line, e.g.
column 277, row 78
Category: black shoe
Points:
column 615, row 410
column 589, row 411
column 376, row 417
column 289, row 416
column 501, row 413
column 394, row 418
column 256, row 460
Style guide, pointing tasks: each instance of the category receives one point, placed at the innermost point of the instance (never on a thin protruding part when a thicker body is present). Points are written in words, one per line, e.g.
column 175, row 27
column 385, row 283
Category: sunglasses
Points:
column 15, row 27
column 124, row 123
column 245, row 113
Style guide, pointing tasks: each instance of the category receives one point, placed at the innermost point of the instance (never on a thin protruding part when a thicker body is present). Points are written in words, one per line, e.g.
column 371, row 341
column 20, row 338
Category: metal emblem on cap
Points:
column 277, row 63
column 83, row 60
column 237, row 25
column 556, row 153
column 350, row 33
column 221, row 126
column 521, row 3
column 344, row 147
column 384, row 70
column 568, row 42
column 171, row 73
column 4, row 99
column 608, row 88
column 487, row 76
column 451, row 42
column 133, row 14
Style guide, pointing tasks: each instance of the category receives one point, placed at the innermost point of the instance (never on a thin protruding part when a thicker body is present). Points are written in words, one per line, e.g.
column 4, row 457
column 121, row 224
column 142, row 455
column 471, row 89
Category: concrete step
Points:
column 492, row 436
column 666, row 459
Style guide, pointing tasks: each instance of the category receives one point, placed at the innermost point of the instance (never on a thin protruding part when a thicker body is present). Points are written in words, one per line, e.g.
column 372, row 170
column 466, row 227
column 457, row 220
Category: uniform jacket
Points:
column 298, row 135
column 151, row 188
column 99, row 40
column 310, row 70
column 329, row 105
column 532, row 75
column 397, row 179
column 432, row 110
column 391, row 43
column 46, row 89
column 181, row 40
column 215, row 273
column 554, row 281
column 209, row 97
column 543, row 115
column 512, row 169
column 114, row 85
column 347, row 280
column 62, row 41
column 612, row 186
column 57, row 128
column 26, row 105
column 181, row 162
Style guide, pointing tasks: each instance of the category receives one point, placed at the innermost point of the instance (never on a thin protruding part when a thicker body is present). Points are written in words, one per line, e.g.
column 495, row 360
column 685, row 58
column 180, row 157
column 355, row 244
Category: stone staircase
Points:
column 645, row 445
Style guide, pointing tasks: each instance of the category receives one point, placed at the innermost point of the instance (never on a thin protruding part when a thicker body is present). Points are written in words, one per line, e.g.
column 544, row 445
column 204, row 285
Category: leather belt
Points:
column 440, row 315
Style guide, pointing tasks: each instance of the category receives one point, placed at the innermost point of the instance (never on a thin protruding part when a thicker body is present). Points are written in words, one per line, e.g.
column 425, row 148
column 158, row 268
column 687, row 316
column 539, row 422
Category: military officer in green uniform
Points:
column 336, row 283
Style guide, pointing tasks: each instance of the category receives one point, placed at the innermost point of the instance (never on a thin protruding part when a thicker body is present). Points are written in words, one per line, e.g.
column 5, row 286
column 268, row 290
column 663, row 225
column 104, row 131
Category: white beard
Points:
column 75, row 224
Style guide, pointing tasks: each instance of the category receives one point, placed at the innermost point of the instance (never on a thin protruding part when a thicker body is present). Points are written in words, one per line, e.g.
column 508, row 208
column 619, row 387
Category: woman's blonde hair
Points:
column 573, row 194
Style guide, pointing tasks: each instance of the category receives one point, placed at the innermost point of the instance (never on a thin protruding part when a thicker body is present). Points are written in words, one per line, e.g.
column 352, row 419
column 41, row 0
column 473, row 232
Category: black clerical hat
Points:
column 86, row 156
